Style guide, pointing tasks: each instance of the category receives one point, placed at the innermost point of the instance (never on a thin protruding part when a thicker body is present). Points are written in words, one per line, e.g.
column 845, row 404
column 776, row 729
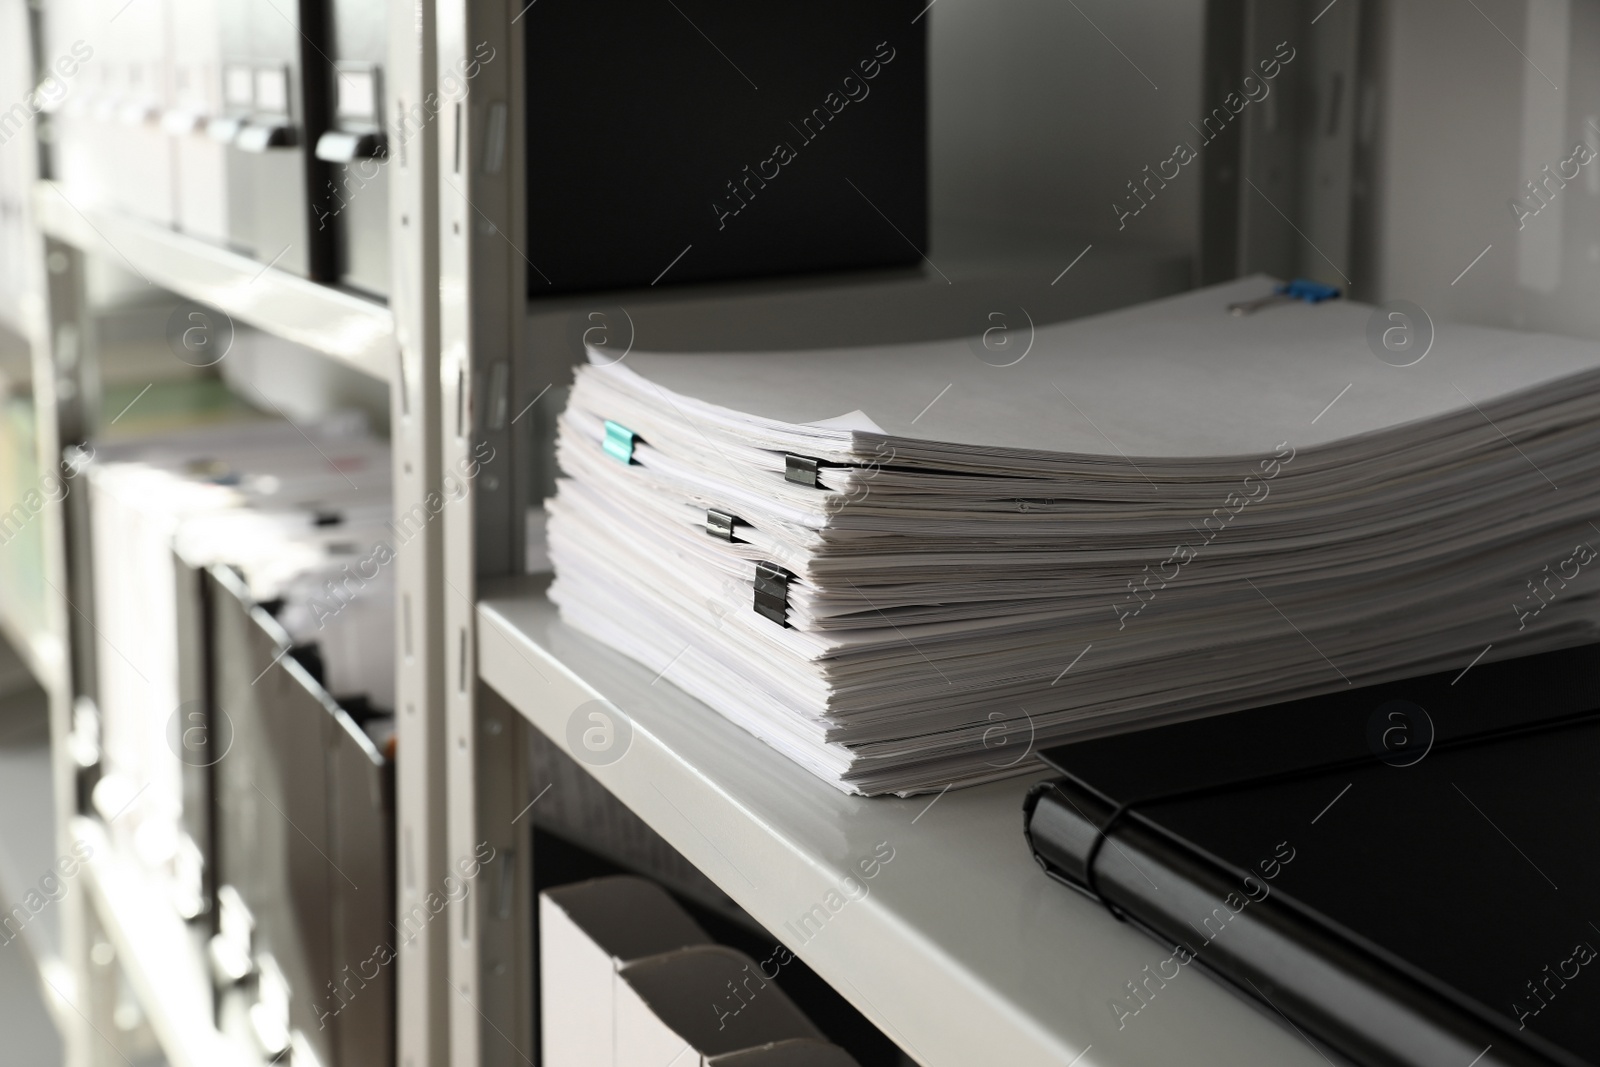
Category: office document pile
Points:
column 910, row 566
column 297, row 513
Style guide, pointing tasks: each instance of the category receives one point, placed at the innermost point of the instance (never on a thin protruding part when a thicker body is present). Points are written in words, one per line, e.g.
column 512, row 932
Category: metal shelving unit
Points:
column 397, row 344
column 955, row 953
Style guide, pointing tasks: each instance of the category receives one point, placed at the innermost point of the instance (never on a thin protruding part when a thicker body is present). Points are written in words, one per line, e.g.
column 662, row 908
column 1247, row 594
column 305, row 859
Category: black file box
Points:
column 715, row 139
column 304, row 829
column 355, row 204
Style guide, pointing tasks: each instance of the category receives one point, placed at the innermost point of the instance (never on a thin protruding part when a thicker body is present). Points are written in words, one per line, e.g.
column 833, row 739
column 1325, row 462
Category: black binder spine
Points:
column 1359, row 1000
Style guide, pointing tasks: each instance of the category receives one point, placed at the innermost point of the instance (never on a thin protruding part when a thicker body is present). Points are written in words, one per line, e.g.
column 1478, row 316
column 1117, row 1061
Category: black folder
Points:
column 1407, row 872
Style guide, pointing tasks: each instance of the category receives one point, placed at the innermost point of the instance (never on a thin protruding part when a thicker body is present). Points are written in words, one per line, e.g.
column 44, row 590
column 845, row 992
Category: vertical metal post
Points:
column 55, row 318
column 483, row 295
column 59, row 337
column 422, row 997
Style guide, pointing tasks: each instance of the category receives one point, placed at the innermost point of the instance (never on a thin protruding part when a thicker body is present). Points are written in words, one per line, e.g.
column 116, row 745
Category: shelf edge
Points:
column 359, row 333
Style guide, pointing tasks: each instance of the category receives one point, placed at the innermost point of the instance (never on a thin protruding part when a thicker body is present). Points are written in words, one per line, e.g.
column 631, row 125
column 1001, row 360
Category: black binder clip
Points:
column 720, row 524
column 802, row 470
column 772, row 592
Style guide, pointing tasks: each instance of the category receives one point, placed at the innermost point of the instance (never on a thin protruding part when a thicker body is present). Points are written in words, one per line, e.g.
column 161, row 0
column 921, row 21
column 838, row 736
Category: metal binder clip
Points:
column 772, row 592
column 802, row 470
column 720, row 524
column 1299, row 289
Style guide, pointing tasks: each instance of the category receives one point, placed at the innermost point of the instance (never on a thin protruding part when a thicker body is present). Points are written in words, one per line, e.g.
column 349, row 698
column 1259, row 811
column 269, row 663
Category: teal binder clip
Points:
column 619, row 442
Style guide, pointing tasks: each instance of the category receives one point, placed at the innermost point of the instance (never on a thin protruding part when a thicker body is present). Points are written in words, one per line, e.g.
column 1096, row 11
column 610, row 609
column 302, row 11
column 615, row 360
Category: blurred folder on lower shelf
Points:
column 306, row 936
column 237, row 736
column 1393, row 868
column 300, row 516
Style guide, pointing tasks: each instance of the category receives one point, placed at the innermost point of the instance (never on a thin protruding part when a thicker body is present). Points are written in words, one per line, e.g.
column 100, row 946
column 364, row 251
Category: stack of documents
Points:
column 908, row 567
column 299, row 513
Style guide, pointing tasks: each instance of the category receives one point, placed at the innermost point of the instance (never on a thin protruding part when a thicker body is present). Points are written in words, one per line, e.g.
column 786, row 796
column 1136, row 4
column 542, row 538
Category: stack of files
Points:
column 906, row 567
column 628, row 979
column 298, row 512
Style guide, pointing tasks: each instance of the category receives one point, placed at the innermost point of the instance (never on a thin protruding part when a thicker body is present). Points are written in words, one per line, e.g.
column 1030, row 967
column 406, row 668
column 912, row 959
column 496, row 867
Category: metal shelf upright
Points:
column 398, row 344
column 482, row 300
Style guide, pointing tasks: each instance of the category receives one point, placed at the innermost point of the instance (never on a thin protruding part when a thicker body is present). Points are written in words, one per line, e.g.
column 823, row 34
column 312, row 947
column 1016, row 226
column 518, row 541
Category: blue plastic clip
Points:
column 619, row 442
column 1309, row 291
column 1300, row 289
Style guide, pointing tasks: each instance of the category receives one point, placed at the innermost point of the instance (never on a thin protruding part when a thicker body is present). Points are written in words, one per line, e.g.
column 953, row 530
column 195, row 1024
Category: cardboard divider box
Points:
column 800, row 1052
column 689, row 1007
column 587, row 933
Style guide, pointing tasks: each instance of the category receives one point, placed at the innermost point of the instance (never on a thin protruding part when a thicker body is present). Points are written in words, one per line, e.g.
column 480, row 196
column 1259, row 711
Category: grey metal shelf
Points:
column 961, row 950
column 353, row 330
